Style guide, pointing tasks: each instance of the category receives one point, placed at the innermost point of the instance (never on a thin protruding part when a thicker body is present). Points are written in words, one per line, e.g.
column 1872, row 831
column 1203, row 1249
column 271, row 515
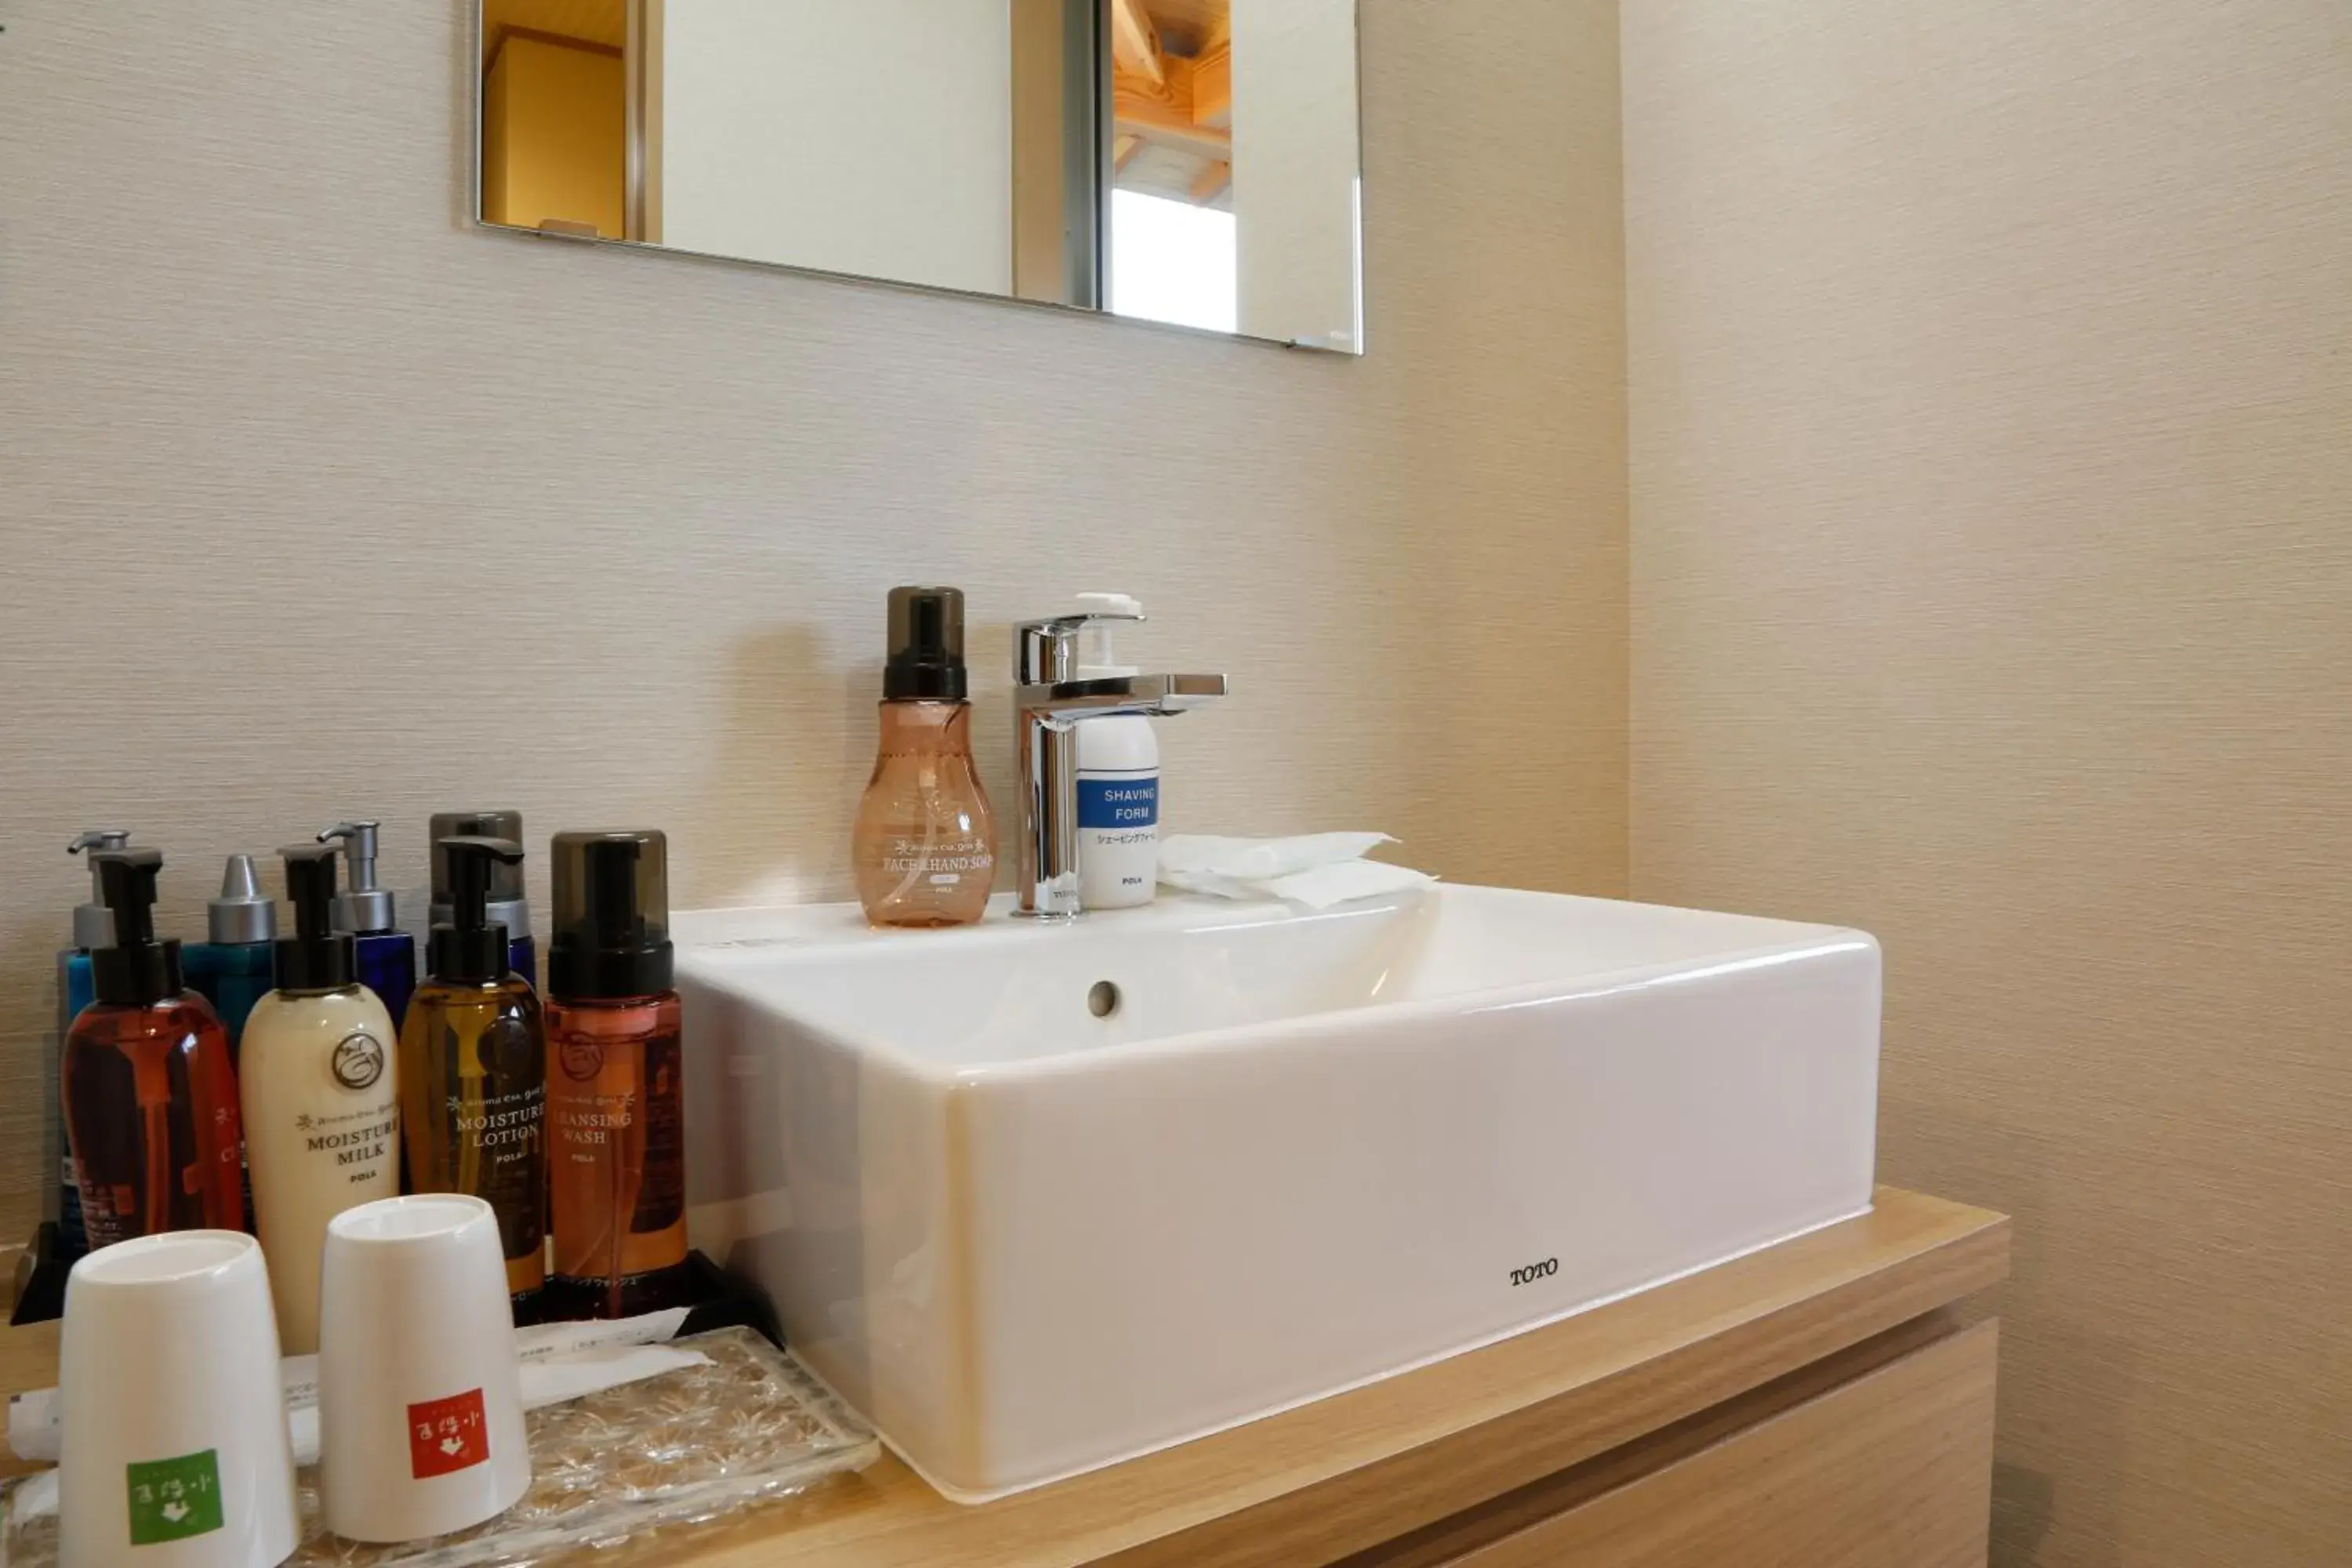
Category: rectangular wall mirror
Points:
column 1194, row 162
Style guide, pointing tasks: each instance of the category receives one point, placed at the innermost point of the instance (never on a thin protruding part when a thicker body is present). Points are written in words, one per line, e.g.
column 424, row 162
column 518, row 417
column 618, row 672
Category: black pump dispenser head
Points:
column 925, row 646
column 509, row 905
column 317, row 957
column 137, row 971
column 471, row 950
column 612, row 916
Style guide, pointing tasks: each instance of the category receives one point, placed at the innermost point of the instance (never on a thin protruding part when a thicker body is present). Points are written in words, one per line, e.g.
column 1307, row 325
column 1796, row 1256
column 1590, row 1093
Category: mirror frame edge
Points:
column 1096, row 218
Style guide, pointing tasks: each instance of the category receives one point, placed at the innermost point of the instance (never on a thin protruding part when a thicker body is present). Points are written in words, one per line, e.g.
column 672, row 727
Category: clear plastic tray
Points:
column 684, row 1447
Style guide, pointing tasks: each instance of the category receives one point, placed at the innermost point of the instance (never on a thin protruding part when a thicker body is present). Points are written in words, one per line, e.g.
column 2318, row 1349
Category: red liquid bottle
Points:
column 615, row 1091
column 149, row 1096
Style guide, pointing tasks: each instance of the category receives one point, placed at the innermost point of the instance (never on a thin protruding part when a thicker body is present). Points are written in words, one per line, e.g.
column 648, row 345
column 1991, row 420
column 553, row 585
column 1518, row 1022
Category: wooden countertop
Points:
column 1361, row 1468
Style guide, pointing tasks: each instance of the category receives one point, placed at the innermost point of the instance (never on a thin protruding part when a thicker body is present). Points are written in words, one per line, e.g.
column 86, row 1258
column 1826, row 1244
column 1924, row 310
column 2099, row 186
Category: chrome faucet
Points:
column 1048, row 705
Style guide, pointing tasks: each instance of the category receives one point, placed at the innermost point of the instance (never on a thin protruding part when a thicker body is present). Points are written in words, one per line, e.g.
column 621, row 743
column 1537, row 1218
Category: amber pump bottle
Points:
column 149, row 1096
column 472, row 1067
column 925, row 846
column 616, row 1098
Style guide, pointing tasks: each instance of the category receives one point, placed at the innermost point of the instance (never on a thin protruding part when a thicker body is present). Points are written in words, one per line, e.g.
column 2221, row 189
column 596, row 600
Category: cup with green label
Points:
column 175, row 1452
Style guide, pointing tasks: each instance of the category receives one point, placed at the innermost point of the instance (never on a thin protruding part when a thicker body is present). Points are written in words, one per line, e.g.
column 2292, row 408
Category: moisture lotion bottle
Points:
column 615, row 1106
column 925, row 848
column 322, row 1095
column 473, row 1066
column 150, row 1101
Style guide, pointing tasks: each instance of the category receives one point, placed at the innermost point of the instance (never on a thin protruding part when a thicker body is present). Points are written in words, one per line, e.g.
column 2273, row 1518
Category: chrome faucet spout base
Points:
column 1048, row 706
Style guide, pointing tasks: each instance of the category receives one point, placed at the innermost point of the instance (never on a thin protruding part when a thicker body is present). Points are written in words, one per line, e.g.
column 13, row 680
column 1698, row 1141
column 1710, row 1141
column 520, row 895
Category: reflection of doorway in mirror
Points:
column 1172, row 255
column 1174, row 261
column 554, row 115
column 1234, row 167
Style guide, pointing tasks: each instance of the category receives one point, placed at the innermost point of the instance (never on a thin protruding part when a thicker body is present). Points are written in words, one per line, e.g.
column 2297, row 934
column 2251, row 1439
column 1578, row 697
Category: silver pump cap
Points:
column 243, row 914
column 364, row 905
column 93, row 922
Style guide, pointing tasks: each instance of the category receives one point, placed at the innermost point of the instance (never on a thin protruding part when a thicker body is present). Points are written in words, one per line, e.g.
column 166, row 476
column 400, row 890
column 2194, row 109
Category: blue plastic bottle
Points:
column 230, row 969
column 385, row 955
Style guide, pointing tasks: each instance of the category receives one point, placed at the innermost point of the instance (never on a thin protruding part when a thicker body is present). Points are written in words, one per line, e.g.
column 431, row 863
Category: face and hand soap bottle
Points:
column 322, row 1094
column 1118, row 779
column 472, row 1067
column 925, row 848
column 150, row 1101
column 615, row 1091
column 385, row 955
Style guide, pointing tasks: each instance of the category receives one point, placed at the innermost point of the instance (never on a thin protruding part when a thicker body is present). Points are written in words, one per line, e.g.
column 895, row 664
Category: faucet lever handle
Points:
column 1045, row 651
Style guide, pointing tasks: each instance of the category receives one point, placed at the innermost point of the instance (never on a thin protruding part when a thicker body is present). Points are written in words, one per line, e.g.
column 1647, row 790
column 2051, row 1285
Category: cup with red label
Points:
column 420, row 1399
column 175, row 1452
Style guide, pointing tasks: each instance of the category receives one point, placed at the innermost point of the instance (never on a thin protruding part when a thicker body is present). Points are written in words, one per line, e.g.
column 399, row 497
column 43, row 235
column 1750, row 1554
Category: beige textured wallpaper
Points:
column 316, row 500
column 1992, row 582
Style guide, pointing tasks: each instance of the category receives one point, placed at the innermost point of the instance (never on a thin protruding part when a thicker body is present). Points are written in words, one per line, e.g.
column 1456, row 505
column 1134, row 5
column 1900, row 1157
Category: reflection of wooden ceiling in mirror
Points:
column 1187, row 26
column 1172, row 75
column 604, row 22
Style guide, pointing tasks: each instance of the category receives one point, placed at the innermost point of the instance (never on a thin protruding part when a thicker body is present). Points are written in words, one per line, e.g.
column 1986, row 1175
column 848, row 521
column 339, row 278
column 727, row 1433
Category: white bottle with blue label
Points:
column 1119, row 780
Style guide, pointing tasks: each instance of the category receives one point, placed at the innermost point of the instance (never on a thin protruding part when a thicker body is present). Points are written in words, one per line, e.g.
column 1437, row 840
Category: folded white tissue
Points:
column 1319, row 870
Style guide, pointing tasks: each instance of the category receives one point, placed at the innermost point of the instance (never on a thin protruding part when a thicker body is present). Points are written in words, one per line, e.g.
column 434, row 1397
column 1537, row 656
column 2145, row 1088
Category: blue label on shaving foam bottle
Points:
column 1116, row 803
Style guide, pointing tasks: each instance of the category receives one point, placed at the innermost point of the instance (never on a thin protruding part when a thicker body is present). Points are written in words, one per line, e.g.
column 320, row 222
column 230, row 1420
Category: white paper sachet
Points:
column 1318, row 870
column 548, row 1380
column 35, row 1418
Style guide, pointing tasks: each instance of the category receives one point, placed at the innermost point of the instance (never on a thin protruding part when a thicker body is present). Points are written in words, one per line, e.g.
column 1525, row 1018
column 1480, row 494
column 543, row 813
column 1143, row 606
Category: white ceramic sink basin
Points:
column 1292, row 1154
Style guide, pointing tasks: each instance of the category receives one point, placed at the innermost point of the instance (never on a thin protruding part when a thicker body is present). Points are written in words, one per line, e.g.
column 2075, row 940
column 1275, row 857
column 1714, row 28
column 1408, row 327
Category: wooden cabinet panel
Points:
column 1894, row 1468
column 1584, row 1441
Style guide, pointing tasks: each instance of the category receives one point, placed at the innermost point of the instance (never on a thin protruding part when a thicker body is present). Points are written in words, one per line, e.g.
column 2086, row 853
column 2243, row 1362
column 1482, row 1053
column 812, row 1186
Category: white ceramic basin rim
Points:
column 1195, row 974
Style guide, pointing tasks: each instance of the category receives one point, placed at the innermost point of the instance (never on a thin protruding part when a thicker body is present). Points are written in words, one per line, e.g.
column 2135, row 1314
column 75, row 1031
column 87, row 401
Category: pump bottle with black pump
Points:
column 924, row 849
column 473, row 1067
column 92, row 928
column 322, row 1094
column 616, row 1083
column 151, row 1098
